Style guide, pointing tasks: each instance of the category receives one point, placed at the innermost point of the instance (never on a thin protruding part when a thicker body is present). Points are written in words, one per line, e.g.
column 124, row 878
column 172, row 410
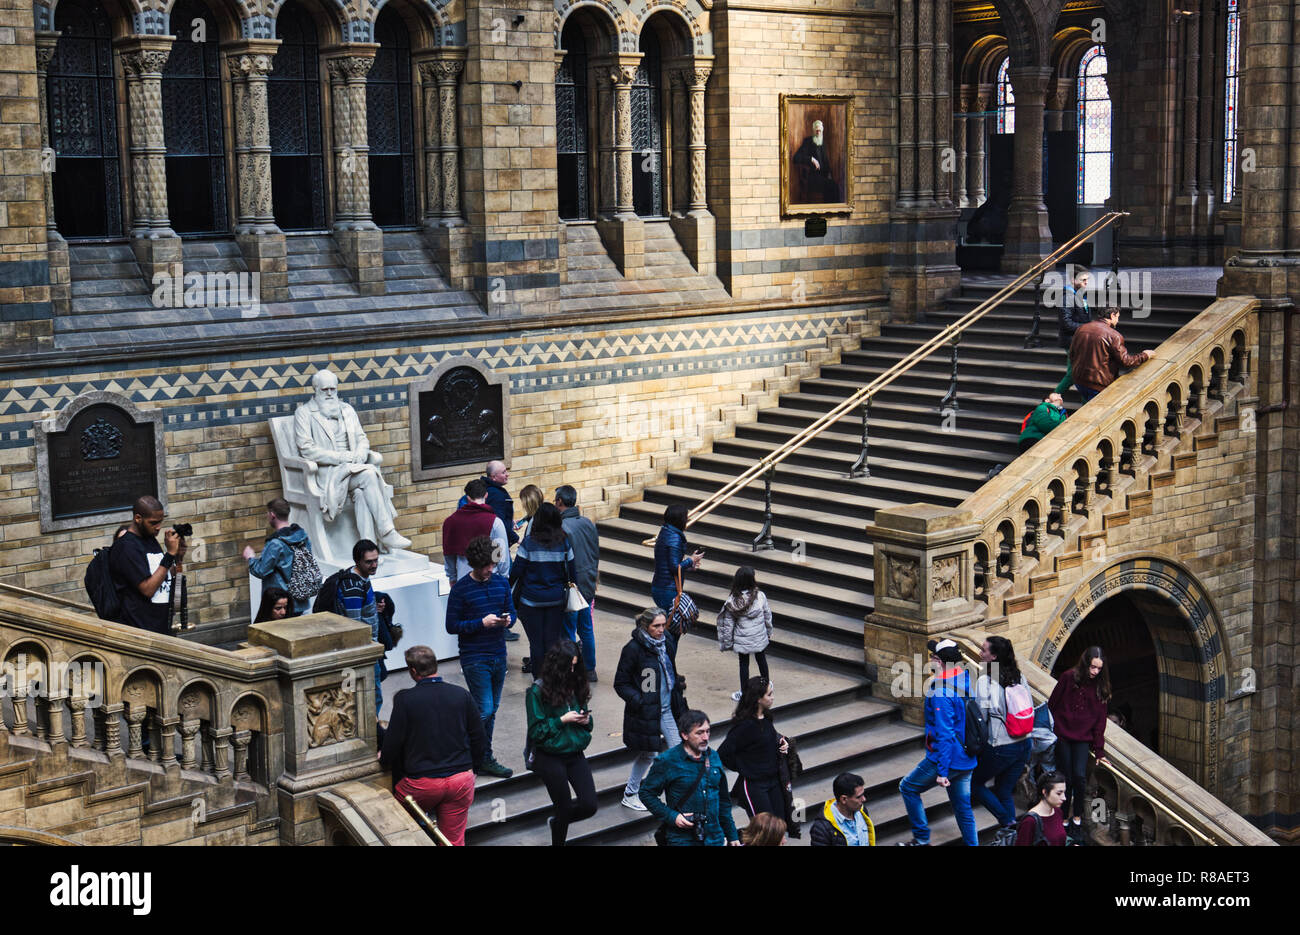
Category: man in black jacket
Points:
column 433, row 744
column 844, row 820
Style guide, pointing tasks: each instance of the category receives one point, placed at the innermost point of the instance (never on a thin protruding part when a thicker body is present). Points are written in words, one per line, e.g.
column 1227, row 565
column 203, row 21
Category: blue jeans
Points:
column 1003, row 765
column 923, row 777
column 1085, row 393
column 485, row 676
column 577, row 626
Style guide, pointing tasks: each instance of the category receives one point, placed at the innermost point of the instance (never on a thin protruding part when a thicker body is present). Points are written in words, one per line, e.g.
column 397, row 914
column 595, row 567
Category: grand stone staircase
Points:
column 819, row 577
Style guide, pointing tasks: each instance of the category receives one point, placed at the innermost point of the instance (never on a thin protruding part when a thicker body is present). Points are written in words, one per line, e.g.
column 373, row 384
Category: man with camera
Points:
column 143, row 571
column 698, row 813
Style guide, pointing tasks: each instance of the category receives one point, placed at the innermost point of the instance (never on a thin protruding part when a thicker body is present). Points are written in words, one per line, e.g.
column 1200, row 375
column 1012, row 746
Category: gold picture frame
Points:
column 811, row 185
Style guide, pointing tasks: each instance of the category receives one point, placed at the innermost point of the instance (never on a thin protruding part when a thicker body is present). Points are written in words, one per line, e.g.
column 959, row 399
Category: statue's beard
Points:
column 330, row 408
column 817, row 139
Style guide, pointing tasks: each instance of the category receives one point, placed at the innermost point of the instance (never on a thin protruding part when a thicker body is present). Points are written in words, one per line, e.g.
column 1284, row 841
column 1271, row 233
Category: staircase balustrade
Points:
column 949, row 335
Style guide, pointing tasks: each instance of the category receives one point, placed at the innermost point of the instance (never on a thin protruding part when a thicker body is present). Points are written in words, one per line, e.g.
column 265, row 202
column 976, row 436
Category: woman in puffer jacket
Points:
column 745, row 624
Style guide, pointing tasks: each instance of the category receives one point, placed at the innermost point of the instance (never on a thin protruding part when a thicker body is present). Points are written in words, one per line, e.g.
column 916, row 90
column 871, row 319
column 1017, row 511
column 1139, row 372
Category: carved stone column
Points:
column 1055, row 112
column 959, row 131
column 240, row 740
column 925, row 574
column 154, row 243
column 1028, row 237
column 221, row 752
column 360, row 242
column 60, row 271
column 189, row 744
column 54, row 707
column 697, row 230
column 19, row 697
column 260, row 240
column 167, row 748
column 444, row 229
column 135, row 714
column 978, row 134
column 624, row 235
column 109, row 717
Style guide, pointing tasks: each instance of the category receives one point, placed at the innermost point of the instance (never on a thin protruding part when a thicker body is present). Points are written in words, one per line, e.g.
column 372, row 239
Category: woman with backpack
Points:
column 1078, row 706
column 1043, row 825
column 752, row 749
column 559, row 730
column 745, row 624
column 1004, row 695
column 542, row 572
column 653, row 693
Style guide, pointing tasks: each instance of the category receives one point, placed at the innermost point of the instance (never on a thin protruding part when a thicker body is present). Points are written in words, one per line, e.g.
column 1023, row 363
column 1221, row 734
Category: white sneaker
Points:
column 735, row 696
column 635, row 803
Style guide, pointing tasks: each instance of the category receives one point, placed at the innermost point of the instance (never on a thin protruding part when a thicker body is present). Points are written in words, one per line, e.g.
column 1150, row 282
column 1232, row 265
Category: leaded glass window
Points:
column 389, row 124
column 293, row 98
column 83, row 124
column 1231, row 89
column 571, row 131
column 1094, row 128
column 192, row 126
column 1006, row 99
column 648, row 132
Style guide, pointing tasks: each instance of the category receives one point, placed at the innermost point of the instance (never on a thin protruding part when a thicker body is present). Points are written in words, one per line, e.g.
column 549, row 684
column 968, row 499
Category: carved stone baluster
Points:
column 189, row 730
column 41, row 726
column 135, row 714
column 54, row 714
column 1215, row 391
column 168, row 748
column 221, row 752
column 153, row 724
column 1173, row 421
column 1128, row 455
column 205, row 748
column 1082, row 503
column 241, row 739
column 77, row 708
column 1029, row 545
column 21, row 728
column 1195, row 400
column 111, row 718
column 1149, row 435
column 1104, row 480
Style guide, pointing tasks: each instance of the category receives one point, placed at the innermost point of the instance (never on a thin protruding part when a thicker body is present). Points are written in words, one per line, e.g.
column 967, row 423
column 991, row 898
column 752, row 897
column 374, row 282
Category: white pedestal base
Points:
column 419, row 589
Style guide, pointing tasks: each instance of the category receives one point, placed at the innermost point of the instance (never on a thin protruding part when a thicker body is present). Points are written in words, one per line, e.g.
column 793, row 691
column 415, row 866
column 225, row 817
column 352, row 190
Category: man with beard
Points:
column 329, row 433
column 819, row 187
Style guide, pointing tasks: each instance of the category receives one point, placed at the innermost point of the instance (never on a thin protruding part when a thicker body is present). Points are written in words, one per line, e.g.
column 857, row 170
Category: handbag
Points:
column 684, row 613
column 576, row 601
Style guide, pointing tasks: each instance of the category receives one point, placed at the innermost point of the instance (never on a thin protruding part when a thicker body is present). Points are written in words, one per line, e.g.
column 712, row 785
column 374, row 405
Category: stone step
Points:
column 83, row 254
column 317, row 275
column 106, row 287
column 209, row 248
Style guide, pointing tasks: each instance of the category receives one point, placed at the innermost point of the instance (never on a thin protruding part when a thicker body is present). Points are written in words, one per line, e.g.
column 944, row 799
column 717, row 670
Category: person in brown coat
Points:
column 1097, row 353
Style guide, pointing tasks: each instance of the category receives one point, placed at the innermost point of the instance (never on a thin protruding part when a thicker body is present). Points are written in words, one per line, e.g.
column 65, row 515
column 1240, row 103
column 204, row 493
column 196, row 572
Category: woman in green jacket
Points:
column 559, row 729
column 1046, row 416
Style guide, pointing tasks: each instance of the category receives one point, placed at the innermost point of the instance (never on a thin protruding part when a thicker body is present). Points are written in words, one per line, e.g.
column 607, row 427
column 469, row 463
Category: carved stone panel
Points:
column 902, row 581
column 459, row 418
column 94, row 458
column 945, row 577
column 331, row 716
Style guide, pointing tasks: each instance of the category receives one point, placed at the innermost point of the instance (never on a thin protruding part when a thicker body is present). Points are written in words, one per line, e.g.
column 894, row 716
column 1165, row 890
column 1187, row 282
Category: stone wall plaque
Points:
column 459, row 420
column 94, row 458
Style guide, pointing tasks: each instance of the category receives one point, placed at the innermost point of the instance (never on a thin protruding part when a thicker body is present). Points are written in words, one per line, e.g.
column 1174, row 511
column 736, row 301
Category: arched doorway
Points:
column 648, row 129
column 192, row 124
column 293, row 99
column 389, row 124
column 83, row 124
column 572, row 139
column 1169, row 663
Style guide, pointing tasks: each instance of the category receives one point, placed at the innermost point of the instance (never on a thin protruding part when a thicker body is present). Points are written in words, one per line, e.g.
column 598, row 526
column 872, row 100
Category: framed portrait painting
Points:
column 816, row 155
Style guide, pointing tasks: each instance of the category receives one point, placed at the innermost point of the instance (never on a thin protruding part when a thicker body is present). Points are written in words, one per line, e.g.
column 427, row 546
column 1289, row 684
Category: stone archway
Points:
column 1187, row 632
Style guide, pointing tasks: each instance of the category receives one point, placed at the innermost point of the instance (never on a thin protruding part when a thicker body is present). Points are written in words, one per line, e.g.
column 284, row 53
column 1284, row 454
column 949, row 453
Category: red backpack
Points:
column 1019, row 710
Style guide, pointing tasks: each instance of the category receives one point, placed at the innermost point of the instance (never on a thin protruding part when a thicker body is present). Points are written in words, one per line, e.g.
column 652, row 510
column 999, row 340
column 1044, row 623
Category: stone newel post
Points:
column 924, row 586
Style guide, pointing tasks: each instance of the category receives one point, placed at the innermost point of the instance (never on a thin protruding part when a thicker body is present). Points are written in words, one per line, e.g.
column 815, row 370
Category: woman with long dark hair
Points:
column 745, row 624
column 752, row 749
column 1005, row 756
column 559, row 729
column 1078, row 706
column 671, row 557
column 1042, row 825
column 276, row 605
column 542, row 571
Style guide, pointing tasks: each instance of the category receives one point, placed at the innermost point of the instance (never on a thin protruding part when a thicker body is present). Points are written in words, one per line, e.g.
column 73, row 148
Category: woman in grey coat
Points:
column 745, row 624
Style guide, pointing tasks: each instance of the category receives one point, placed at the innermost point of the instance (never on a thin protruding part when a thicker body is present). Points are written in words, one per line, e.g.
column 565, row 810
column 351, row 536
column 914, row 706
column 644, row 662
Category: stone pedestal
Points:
column 328, row 717
column 924, row 586
column 697, row 233
column 450, row 249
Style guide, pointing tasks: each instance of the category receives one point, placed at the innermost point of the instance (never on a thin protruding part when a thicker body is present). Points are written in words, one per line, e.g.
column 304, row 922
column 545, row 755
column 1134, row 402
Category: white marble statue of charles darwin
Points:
column 327, row 431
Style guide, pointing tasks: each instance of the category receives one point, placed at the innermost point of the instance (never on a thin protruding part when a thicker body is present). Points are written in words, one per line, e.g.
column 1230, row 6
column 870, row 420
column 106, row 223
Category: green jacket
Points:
column 545, row 730
column 1043, row 419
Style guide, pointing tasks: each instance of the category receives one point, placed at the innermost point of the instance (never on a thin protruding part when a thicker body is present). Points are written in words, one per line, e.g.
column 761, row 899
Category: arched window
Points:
column 648, row 130
column 293, row 98
column 572, row 151
column 1232, row 84
column 1094, row 128
column 389, row 127
column 191, row 101
column 1006, row 99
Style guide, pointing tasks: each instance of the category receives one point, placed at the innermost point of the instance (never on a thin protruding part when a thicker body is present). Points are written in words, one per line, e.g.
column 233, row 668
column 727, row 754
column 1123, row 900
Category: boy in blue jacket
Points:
column 946, row 762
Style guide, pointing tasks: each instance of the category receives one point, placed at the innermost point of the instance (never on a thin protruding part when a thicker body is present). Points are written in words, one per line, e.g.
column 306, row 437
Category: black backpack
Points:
column 100, row 587
column 328, row 594
column 976, row 735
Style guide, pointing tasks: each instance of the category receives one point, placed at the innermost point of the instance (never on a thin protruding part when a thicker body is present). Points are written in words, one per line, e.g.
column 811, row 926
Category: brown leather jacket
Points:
column 1097, row 353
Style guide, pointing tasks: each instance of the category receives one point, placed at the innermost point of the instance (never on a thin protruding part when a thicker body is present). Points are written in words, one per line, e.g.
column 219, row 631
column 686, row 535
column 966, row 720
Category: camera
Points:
column 184, row 530
column 697, row 827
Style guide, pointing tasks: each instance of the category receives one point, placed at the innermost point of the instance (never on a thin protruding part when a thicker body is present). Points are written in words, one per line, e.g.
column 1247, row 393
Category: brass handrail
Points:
column 807, row 434
column 428, row 824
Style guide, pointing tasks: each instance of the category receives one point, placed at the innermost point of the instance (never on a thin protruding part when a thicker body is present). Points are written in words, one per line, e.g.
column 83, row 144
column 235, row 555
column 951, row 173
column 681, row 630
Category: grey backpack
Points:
column 305, row 576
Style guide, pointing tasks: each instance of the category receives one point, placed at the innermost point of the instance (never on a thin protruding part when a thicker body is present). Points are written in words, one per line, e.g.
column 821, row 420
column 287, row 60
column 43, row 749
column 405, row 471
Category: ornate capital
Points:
column 698, row 77
column 349, row 67
column 446, row 71
column 140, row 62
column 45, row 46
column 252, row 64
column 622, row 74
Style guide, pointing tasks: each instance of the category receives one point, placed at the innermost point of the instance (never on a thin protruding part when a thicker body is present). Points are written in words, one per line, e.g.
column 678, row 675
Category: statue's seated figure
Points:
column 331, row 477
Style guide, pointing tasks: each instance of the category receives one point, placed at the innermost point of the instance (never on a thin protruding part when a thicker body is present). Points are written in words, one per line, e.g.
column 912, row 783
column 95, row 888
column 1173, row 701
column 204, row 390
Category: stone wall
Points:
column 764, row 50
column 24, row 269
column 607, row 408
